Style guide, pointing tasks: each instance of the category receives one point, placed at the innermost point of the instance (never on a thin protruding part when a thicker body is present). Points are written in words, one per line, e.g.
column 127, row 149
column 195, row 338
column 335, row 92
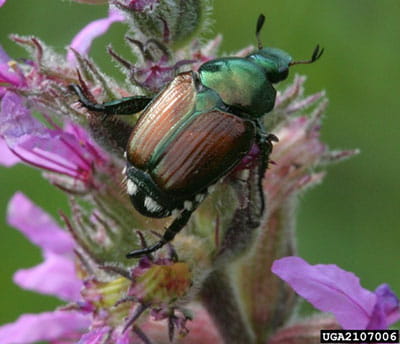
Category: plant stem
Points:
column 221, row 302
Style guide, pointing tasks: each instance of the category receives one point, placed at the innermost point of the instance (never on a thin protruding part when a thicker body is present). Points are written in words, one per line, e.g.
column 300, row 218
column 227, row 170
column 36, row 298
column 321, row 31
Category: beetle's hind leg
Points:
column 175, row 227
column 123, row 106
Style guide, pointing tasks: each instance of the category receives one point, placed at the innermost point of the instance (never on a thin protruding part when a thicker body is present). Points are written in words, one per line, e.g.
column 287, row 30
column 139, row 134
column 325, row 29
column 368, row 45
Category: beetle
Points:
column 197, row 130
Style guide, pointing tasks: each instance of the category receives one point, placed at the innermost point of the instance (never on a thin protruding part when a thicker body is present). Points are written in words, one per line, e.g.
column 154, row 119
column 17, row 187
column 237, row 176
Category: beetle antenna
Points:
column 260, row 24
column 317, row 53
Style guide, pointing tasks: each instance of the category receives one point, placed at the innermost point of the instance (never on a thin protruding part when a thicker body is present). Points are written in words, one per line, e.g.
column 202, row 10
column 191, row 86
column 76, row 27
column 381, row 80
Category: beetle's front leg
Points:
column 175, row 227
column 123, row 106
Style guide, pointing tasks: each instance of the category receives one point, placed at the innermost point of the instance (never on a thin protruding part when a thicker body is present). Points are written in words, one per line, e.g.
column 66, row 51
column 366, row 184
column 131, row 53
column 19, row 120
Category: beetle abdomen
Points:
column 146, row 196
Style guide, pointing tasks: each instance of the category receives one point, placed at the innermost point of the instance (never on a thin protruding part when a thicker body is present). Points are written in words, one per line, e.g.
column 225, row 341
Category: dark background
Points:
column 352, row 219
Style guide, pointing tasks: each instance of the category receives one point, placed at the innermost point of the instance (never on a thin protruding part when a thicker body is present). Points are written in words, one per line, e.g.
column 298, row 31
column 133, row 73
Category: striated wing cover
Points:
column 205, row 150
column 160, row 118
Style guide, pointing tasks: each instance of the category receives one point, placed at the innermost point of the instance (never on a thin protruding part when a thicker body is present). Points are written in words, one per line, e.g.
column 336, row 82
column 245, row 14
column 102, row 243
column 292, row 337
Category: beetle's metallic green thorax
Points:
column 240, row 83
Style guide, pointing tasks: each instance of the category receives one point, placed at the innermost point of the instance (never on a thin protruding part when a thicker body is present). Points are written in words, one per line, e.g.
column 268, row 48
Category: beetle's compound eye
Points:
column 197, row 82
column 275, row 63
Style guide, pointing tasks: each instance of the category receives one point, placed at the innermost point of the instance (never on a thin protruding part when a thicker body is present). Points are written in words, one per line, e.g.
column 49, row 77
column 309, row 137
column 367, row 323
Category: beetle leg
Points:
column 254, row 183
column 110, row 132
column 123, row 106
column 238, row 235
column 169, row 234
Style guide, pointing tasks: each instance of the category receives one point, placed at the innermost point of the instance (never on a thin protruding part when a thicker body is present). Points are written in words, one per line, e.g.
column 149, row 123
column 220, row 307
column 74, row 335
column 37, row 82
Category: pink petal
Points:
column 387, row 309
column 43, row 231
column 329, row 289
column 88, row 148
column 95, row 336
column 16, row 120
column 83, row 40
column 50, row 149
column 55, row 151
column 9, row 75
column 2, row 2
column 7, row 158
column 59, row 275
column 31, row 328
column 389, row 302
column 67, row 153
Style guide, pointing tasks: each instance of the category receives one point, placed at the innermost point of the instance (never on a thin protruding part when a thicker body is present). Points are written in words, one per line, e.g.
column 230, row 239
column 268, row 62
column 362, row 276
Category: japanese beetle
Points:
column 197, row 130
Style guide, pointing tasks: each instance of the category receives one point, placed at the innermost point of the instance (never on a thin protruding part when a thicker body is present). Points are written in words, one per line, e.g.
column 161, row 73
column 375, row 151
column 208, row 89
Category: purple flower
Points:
column 10, row 74
column 386, row 310
column 331, row 289
column 7, row 158
column 57, row 247
column 49, row 326
column 58, row 270
column 67, row 152
column 2, row 2
column 83, row 40
column 156, row 74
column 151, row 74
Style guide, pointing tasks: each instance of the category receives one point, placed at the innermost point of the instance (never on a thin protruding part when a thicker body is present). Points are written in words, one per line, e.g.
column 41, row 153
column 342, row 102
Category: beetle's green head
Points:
column 274, row 61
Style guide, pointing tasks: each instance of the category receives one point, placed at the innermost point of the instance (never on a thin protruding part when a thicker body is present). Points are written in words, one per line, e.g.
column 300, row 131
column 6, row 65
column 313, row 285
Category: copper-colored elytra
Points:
column 209, row 145
column 159, row 119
